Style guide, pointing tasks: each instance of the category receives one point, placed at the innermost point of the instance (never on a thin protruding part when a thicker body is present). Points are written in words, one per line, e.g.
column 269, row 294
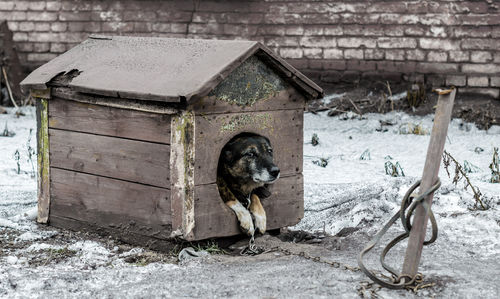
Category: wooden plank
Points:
column 110, row 203
column 96, row 119
column 150, row 242
column 284, row 207
column 43, row 160
column 182, row 169
column 442, row 118
column 282, row 127
column 131, row 160
column 288, row 99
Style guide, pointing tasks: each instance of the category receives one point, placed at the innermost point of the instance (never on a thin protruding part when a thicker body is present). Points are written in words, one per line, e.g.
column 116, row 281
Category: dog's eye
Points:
column 249, row 154
column 270, row 150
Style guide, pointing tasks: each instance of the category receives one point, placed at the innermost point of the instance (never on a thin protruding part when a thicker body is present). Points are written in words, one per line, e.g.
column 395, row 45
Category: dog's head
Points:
column 249, row 160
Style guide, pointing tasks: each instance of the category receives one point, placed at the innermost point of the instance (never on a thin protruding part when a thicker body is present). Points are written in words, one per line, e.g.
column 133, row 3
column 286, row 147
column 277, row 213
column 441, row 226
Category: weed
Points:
column 31, row 154
column 17, row 157
column 460, row 173
column 416, row 95
column 322, row 162
column 365, row 155
column 470, row 168
column 6, row 132
column 413, row 129
column 478, row 150
column 210, row 246
column 393, row 169
column 495, row 169
column 315, row 139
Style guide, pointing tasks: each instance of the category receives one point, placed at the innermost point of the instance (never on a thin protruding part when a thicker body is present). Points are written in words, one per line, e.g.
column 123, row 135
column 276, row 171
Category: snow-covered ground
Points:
column 348, row 192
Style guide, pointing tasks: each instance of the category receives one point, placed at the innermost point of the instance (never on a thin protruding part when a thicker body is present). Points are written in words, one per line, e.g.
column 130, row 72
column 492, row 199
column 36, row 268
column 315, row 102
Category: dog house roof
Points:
column 160, row 69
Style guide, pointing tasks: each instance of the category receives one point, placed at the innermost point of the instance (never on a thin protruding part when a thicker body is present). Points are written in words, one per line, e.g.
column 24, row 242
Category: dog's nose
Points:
column 275, row 171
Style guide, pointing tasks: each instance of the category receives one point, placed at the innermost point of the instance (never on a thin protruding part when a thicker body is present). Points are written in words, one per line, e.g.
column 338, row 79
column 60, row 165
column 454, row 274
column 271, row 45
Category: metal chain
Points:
column 397, row 280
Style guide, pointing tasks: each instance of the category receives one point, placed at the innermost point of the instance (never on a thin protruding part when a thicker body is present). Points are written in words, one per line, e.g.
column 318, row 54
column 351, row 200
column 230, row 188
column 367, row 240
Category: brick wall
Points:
column 441, row 42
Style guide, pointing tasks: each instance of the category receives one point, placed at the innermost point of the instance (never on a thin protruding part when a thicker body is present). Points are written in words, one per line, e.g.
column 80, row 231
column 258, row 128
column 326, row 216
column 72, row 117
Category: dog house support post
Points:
column 182, row 157
column 431, row 169
column 42, row 119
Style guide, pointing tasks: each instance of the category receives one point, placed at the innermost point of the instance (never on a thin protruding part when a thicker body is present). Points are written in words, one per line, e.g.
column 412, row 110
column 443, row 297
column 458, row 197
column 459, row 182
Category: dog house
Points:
column 130, row 131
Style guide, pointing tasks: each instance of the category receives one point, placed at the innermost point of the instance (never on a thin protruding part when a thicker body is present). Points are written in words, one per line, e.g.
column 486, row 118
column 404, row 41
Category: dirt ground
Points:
column 382, row 97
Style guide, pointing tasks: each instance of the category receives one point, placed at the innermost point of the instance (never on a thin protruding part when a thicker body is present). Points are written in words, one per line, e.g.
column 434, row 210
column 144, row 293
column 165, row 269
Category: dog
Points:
column 245, row 171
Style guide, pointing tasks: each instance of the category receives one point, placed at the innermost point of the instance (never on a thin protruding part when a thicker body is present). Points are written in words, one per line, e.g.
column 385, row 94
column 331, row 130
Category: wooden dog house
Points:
column 130, row 131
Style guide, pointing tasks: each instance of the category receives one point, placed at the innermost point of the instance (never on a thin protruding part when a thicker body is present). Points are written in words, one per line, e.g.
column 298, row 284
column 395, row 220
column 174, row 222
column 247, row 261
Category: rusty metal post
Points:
column 431, row 169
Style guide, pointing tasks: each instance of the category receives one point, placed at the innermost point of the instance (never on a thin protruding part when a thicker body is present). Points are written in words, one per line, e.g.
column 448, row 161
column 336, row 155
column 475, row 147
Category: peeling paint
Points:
column 43, row 162
column 251, row 82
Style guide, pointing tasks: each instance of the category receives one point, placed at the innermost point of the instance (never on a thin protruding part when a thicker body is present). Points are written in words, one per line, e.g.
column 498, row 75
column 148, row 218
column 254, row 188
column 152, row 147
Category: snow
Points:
column 348, row 192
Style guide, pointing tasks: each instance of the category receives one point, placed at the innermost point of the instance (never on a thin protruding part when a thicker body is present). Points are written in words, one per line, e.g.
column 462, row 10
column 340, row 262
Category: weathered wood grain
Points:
column 110, row 203
column 182, row 169
column 96, row 119
column 442, row 119
column 150, row 242
column 283, row 128
column 288, row 99
column 42, row 106
column 214, row 219
column 131, row 160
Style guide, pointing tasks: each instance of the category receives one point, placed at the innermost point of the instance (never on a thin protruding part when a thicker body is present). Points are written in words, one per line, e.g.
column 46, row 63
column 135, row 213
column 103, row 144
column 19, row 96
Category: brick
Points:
column 438, row 19
column 313, row 52
column 321, row 42
column 333, row 30
column 438, row 56
column 13, row 15
column 331, row 77
column 473, row 31
column 207, row 17
column 396, row 42
column 84, row 26
column 490, row 92
column 139, row 15
column 291, row 53
column 20, row 36
column 36, row 5
column 271, row 30
column 53, row 5
column 327, row 64
column 415, row 54
column 356, row 42
column 481, row 44
column 495, row 81
column 496, row 57
column 26, row 26
column 41, row 16
column 459, row 56
column 294, row 30
column 414, row 31
column 440, row 44
column 473, row 19
column 478, row 81
column 374, row 54
column 394, row 31
column 21, row 5
column 58, row 26
column 106, row 16
column 455, row 80
column 211, row 28
column 363, row 30
column 437, row 31
column 75, row 16
column 433, row 67
column 398, row 19
column 333, row 54
column 481, row 56
column 298, row 63
column 393, row 7
column 42, row 26
column 349, row 18
column 178, row 28
column 6, row 5
column 435, row 80
column 245, row 18
column 314, row 30
column 353, row 54
column 57, row 48
column 281, row 41
column 240, row 30
column 161, row 27
column 41, row 47
column 395, row 54
column 24, row 47
column 481, row 68
column 143, row 27
column 41, row 56
column 117, row 27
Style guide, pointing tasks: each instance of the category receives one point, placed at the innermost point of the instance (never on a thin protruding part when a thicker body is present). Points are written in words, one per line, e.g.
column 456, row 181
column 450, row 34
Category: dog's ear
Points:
column 263, row 192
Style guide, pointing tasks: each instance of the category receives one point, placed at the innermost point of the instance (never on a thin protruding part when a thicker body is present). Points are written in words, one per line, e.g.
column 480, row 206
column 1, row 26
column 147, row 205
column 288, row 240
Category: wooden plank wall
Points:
column 110, row 168
column 279, row 118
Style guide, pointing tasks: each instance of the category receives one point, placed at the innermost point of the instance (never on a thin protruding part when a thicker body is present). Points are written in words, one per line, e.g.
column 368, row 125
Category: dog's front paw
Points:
column 260, row 223
column 246, row 223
